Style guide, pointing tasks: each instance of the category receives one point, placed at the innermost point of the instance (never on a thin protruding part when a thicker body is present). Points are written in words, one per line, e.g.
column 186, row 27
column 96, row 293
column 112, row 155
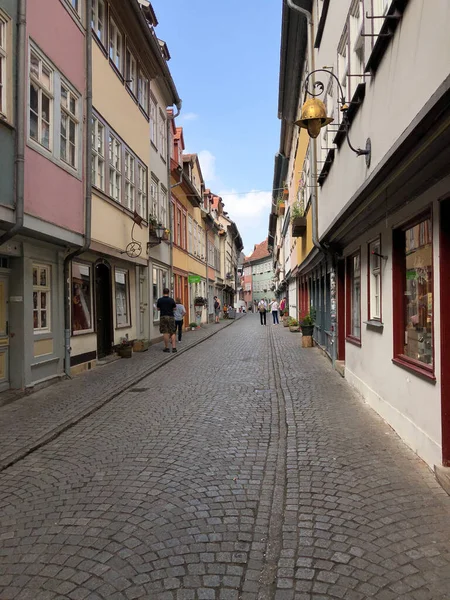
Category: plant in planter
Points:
column 308, row 322
column 199, row 301
column 125, row 348
column 298, row 219
column 192, row 326
column 294, row 325
column 281, row 204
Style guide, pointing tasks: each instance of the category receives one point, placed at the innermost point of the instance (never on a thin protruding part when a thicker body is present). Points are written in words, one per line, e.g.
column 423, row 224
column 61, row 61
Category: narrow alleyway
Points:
column 243, row 469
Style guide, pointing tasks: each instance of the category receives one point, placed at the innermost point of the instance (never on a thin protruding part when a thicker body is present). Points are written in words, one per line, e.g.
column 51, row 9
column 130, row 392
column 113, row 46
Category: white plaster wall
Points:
column 412, row 69
column 409, row 403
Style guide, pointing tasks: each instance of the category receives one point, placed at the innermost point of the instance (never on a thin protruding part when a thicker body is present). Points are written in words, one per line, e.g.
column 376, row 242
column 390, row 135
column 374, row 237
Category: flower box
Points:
column 298, row 226
column 141, row 345
column 125, row 351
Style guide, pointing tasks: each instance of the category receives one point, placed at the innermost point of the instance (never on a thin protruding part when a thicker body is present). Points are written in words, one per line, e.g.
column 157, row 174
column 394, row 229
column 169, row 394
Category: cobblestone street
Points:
column 245, row 468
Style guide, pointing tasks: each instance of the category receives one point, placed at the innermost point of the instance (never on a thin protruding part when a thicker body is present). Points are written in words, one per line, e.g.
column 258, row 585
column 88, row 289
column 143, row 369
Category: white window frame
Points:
column 162, row 131
column 141, row 200
column 75, row 6
column 343, row 62
column 153, row 122
column 116, row 45
column 126, row 316
column 98, row 154
column 163, row 205
column 375, row 279
column 39, row 290
column 97, row 24
column 35, row 81
column 130, row 180
column 143, row 91
column 115, row 168
column 190, row 239
column 160, row 279
column 72, row 119
column 5, row 26
column 131, row 72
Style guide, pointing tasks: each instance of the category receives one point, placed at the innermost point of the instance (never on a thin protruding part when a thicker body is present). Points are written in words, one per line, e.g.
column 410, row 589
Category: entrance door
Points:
column 103, row 304
column 4, row 334
column 444, row 260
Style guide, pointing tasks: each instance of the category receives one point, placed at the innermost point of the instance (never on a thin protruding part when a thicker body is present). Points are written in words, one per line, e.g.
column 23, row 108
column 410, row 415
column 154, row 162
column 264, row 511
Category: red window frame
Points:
column 398, row 299
column 369, row 288
column 349, row 337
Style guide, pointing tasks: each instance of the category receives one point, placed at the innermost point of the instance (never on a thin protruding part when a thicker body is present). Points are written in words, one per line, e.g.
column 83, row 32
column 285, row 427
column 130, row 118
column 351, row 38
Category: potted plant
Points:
column 281, row 205
column 192, row 326
column 141, row 345
column 294, row 325
column 125, row 348
column 308, row 323
column 285, row 318
column 199, row 301
column 298, row 219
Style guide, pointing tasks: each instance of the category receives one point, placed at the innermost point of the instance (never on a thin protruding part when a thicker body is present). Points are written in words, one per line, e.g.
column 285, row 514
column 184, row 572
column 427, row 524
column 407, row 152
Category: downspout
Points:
column 314, row 206
column 169, row 119
column 88, row 193
column 19, row 158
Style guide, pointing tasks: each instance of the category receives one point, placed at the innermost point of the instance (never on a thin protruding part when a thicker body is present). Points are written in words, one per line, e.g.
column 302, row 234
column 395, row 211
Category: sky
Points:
column 225, row 63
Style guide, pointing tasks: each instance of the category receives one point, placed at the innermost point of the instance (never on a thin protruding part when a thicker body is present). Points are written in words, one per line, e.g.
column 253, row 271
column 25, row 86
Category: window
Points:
column 160, row 281
column 343, row 61
column 353, row 302
column 141, row 202
column 183, row 231
column 190, row 244
column 163, row 206
column 374, row 280
column 131, row 72
column 153, row 123
column 177, row 231
column 357, row 62
column 115, row 184
column 122, row 300
column 162, row 134
column 143, row 88
column 380, row 8
column 115, row 46
column 98, row 154
column 69, row 126
column 154, row 197
column 130, row 187
column 98, row 20
column 82, row 298
column 413, row 295
column 41, row 87
column 3, row 65
column 41, row 298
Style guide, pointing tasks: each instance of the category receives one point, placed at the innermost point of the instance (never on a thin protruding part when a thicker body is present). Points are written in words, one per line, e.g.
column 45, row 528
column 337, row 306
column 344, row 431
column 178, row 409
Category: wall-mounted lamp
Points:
column 314, row 114
column 156, row 235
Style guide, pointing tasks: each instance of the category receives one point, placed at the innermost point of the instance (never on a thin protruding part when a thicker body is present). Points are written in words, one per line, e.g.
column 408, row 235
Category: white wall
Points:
column 408, row 402
column 415, row 64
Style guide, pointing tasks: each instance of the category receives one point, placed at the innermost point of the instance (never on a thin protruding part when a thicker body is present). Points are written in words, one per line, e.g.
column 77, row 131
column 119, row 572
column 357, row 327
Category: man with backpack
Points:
column 216, row 308
column 262, row 309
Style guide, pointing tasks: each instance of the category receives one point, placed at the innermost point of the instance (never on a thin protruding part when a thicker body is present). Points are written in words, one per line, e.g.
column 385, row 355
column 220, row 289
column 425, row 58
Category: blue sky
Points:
column 225, row 64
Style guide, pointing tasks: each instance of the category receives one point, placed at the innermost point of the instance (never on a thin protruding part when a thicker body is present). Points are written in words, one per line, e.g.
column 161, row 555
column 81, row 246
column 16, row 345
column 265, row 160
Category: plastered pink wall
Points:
column 51, row 193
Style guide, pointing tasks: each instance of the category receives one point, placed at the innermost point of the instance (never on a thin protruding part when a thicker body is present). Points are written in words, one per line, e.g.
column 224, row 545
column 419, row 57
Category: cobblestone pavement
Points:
column 245, row 469
column 33, row 420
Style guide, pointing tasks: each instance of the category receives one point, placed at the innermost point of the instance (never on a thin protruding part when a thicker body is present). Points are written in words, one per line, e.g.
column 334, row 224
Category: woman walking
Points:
column 179, row 313
column 274, row 308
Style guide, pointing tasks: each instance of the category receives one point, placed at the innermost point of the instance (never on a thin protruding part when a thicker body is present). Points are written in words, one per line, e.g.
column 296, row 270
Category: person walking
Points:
column 274, row 309
column 166, row 306
column 216, row 308
column 283, row 305
column 179, row 313
column 262, row 309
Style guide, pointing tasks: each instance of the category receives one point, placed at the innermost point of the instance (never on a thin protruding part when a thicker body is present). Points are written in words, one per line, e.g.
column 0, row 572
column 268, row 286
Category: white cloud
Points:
column 208, row 166
column 189, row 116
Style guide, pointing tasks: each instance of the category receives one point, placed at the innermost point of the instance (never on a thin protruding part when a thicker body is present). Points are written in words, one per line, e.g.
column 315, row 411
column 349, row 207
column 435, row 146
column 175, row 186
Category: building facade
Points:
column 377, row 274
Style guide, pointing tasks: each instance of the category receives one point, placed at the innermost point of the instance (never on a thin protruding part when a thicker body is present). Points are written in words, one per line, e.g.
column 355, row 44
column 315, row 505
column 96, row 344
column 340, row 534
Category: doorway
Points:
column 103, row 304
column 444, row 262
column 4, row 334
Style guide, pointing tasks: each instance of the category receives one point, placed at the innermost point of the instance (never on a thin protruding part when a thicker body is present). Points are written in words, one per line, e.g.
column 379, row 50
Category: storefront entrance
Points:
column 4, row 334
column 445, row 328
column 103, row 305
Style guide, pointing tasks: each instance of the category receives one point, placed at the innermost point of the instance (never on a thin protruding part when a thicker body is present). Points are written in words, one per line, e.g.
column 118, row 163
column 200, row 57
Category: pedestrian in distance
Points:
column 179, row 313
column 166, row 306
column 216, row 308
column 262, row 309
column 274, row 309
column 283, row 305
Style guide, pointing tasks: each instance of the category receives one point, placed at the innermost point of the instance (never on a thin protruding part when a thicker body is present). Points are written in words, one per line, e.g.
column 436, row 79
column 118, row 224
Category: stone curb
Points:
column 12, row 459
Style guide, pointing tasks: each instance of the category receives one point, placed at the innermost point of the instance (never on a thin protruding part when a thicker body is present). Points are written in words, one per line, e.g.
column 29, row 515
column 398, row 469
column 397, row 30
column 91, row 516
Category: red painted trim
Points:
column 398, row 296
column 353, row 340
column 341, row 309
column 444, row 261
column 414, row 366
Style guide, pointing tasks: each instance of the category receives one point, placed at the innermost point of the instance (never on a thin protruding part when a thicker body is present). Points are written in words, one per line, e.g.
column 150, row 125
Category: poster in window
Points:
column 121, row 299
column 81, row 297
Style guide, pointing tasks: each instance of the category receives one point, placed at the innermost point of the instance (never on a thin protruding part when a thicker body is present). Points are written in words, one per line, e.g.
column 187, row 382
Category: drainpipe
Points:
column 88, row 194
column 171, row 220
column 19, row 158
column 314, row 206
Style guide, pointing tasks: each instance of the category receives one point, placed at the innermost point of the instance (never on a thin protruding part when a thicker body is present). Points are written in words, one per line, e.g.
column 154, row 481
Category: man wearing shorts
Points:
column 166, row 306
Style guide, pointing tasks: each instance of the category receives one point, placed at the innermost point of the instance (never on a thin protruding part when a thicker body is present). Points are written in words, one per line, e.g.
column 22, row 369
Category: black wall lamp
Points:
column 314, row 114
column 156, row 236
